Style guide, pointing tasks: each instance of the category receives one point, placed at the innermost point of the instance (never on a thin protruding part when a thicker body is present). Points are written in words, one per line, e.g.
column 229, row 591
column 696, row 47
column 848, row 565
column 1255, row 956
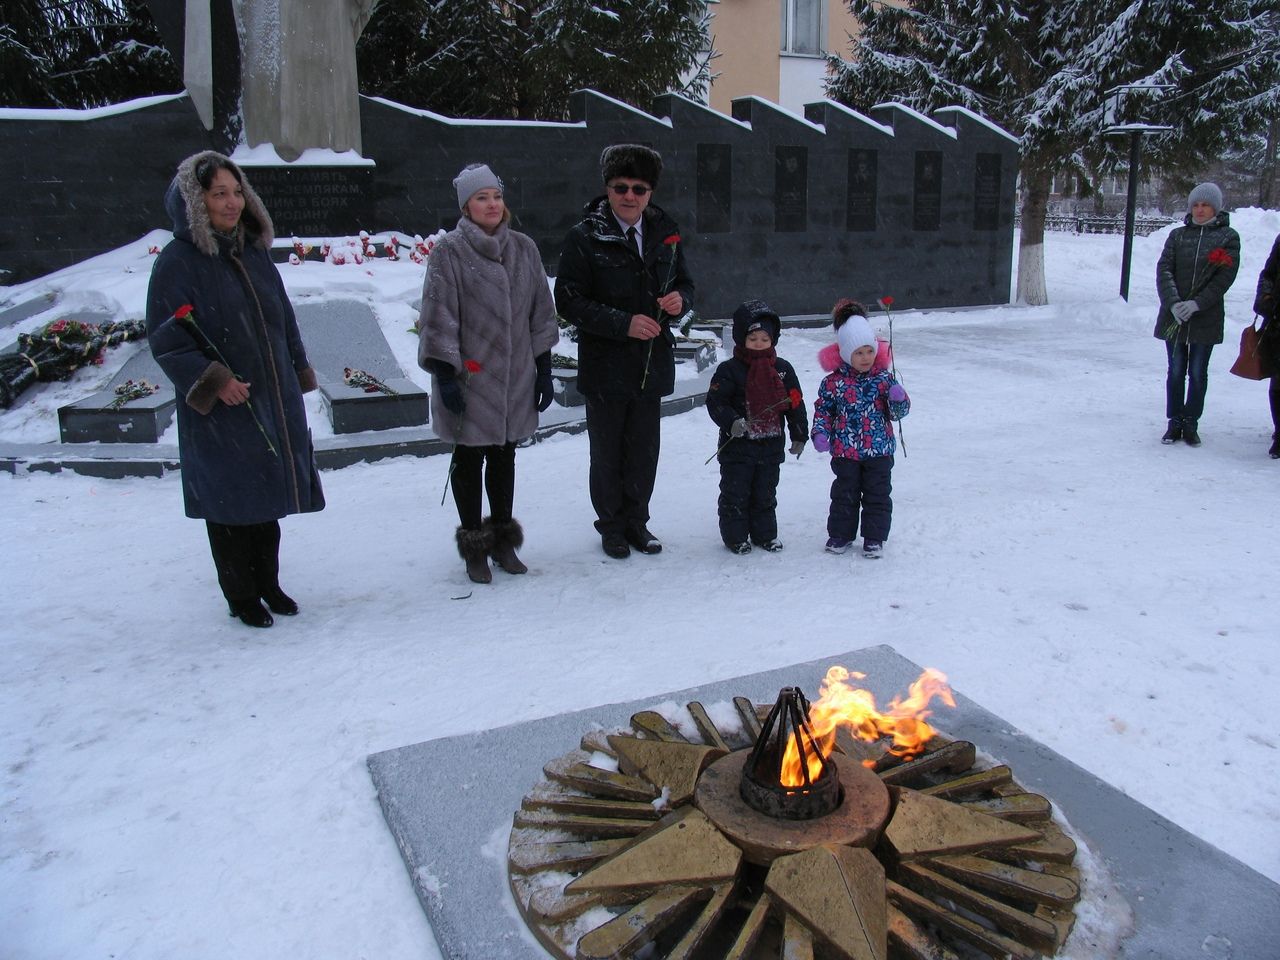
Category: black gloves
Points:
column 450, row 389
column 543, row 389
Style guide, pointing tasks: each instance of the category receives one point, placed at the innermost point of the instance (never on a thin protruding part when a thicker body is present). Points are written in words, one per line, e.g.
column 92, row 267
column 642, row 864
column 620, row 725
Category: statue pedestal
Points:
column 313, row 200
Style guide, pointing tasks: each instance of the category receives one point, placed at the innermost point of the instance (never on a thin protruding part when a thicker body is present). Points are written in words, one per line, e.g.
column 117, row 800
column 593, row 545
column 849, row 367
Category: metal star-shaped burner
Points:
column 698, row 849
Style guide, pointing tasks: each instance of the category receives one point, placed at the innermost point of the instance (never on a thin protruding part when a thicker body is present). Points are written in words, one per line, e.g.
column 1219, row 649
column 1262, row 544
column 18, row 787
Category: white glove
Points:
column 1183, row 309
column 738, row 428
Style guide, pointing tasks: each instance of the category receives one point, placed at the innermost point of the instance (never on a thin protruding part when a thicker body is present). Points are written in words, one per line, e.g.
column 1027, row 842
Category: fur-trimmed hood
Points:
column 184, row 202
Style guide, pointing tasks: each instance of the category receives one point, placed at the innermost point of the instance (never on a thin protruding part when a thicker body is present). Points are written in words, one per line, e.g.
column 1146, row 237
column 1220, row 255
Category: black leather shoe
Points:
column 1173, row 434
column 251, row 613
column 1190, row 435
column 643, row 540
column 280, row 602
column 1274, row 452
column 615, row 545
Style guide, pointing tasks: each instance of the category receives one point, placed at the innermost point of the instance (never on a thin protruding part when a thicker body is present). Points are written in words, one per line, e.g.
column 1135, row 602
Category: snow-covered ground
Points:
column 178, row 785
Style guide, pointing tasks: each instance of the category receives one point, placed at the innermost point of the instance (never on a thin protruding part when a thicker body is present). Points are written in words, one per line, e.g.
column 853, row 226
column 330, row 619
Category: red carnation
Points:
column 672, row 240
column 1220, row 258
column 471, row 366
column 796, row 400
column 183, row 311
column 886, row 301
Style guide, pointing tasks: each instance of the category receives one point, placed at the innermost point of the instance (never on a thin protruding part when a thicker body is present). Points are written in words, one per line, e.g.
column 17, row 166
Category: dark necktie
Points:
column 631, row 239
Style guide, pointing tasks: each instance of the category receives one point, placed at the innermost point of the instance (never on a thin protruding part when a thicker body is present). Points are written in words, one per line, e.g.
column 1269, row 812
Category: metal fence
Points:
column 1142, row 226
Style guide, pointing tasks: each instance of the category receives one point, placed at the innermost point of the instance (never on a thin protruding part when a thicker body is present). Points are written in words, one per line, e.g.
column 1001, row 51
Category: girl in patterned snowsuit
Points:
column 851, row 419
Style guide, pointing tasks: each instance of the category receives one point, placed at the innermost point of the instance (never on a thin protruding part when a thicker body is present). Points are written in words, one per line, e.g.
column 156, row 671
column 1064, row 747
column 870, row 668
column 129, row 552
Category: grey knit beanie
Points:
column 474, row 177
column 1209, row 193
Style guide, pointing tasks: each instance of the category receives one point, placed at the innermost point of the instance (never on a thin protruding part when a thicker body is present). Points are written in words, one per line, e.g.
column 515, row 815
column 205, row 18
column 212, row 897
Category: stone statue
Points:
column 298, row 73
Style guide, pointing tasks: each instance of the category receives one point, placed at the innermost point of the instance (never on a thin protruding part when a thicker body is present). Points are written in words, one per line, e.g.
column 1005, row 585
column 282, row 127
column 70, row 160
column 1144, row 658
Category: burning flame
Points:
column 839, row 703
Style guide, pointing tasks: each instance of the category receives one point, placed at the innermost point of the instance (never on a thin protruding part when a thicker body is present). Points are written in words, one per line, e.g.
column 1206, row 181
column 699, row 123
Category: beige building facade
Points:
column 776, row 49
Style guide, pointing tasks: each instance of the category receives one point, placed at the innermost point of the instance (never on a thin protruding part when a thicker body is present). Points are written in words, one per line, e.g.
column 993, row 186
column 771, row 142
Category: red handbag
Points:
column 1251, row 364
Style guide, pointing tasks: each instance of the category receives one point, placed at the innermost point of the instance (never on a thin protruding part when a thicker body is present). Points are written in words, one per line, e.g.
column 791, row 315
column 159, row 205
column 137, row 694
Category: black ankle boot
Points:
column 280, row 602
column 251, row 613
column 1190, row 435
column 1274, row 452
column 1173, row 434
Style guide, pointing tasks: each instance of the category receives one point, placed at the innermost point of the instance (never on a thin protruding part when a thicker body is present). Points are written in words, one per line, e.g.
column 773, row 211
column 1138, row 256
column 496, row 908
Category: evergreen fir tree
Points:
column 1040, row 69
column 523, row 58
column 81, row 53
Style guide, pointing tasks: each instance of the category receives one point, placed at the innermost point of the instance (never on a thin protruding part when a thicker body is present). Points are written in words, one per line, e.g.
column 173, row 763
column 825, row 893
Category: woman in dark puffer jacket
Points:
column 1196, row 268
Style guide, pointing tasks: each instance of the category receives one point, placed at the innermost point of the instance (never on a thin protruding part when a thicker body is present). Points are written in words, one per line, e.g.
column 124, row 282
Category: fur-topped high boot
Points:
column 474, row 546
column 507, row 535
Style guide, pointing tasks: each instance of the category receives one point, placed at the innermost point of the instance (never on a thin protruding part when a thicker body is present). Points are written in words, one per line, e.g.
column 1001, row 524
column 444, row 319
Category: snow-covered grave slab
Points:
column 450, row 803
column 27, row 308
column 98, row 419
column 343, row 334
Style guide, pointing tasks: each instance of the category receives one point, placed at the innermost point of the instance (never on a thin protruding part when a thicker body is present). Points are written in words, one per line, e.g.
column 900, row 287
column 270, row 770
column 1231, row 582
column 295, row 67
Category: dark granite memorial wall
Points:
column 798, row 211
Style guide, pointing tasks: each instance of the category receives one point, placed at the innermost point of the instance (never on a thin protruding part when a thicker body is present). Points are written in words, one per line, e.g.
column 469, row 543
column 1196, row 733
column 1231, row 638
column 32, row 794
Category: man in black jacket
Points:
column 622, row 279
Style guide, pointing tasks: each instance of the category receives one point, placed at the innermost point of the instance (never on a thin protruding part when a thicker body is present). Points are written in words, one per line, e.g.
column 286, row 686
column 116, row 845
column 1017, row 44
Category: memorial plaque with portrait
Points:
column 309, row 201
column 715, row 187
column 861, row 203
column 986, row 192
column 927, row 205
column 791, row 189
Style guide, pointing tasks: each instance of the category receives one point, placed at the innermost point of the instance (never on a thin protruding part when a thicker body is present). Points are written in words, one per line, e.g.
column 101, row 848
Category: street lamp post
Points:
column 1115, row 103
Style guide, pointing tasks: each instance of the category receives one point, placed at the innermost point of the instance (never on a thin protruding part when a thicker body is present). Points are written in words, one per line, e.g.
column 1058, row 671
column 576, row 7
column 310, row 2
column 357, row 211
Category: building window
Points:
column 802, row 27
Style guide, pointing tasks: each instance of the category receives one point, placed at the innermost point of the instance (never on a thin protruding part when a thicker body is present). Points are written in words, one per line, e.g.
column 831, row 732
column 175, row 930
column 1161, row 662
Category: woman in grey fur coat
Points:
column 222, row 329
column 486, row 331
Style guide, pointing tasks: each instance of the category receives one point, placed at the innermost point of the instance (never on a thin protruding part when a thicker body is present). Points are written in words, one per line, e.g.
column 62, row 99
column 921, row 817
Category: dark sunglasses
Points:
column 639, row 189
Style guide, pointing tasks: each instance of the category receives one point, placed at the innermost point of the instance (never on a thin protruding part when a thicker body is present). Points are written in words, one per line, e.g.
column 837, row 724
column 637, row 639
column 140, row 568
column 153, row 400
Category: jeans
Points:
column 1187, row 381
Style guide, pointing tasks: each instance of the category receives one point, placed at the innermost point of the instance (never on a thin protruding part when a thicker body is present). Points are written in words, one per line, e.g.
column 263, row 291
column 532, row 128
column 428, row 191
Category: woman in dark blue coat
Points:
column 221, row 327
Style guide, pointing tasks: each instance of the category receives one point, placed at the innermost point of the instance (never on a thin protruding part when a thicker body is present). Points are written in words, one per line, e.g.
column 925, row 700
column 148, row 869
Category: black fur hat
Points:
column 634, row 161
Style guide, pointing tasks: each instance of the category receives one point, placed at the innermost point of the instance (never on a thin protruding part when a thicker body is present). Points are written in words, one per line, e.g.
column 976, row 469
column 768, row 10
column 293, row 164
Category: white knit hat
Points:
column 474, row 178
column 855, row 332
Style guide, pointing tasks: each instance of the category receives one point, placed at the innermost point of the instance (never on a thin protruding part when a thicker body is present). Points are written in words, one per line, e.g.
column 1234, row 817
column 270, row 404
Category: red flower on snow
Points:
column 471, row 366
column 1220, row 258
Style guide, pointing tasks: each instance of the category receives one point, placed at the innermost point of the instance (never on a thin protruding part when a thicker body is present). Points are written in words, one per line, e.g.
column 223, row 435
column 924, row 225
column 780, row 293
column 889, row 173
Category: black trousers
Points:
column 860, row 487
column 1273, row 394
column 247, row 558
column 748, row 504
column 498, row 466
column 624, row 434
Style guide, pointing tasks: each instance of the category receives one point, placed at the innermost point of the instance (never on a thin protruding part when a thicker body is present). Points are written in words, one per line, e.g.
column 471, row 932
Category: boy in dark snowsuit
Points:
column 750, row 395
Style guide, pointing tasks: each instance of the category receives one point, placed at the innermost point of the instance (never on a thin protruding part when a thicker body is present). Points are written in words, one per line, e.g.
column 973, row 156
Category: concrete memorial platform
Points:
column 342, row 334
column 450, row 805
